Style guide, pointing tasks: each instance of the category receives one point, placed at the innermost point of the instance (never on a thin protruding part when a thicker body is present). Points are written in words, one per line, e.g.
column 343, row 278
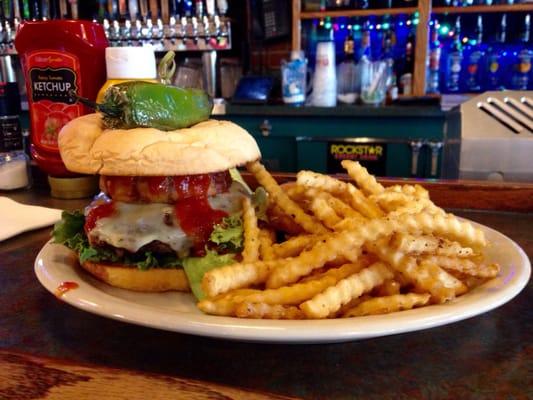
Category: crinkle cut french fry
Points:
column 426, row 244
column 453, row 249
column 322, row 210
column 299, row 292
column 411, row 190
column 342, row 242
column 349, row 224
column 389, row 288
column 250, row 252
column 327, row 249
column 340, row 207
column 407, row 243
column 222, row 304
column 267, row 311
column 447, row 226
column 465, row 266
column 429, row 277
column 234, row 276
column 332, row 299
column 266, row 241
column 295, row 245
column 346, row 190
column 366, row 182
column 388, row 304
column 278, row 196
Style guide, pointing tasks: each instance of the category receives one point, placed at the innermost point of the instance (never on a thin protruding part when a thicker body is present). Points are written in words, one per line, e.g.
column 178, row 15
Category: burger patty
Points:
column 155, row 247
column 164, row 189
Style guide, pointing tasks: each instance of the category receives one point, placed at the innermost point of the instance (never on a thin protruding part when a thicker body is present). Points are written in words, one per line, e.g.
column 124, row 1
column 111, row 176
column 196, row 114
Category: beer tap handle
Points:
column 435, row 151
column 147, row 30
column 122, row 9
column 210, row 7
column 416, row 145
column 138, row 30
column 154, row 9
column 133, row 8
column 199, row 8
column 143, row 8
column 165, row 12
column 183, row 26
column 194, row 23
column 73, row 9
column 112, row 9
column 126, row 31
column 107, row 28
column 222, row 6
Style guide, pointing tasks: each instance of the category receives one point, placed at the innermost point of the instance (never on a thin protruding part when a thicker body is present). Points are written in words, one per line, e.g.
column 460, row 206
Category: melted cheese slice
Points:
column 135, row 225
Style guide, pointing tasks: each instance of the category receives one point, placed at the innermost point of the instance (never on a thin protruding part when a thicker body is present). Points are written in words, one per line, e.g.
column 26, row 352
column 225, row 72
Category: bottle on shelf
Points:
column 474, row 56
column 387, row 55
column 405, row 71
column 433, row 62
column 496, row 58
column 454, row 59
column 365, row 50
column 521, row 65
column 348, row 82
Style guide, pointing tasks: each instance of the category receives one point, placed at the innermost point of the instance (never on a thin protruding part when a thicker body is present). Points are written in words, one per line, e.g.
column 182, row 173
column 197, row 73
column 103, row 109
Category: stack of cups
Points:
column 325, row 78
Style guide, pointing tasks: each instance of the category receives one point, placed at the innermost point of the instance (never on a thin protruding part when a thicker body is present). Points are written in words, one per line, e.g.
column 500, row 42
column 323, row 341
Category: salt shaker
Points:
column 14, row 163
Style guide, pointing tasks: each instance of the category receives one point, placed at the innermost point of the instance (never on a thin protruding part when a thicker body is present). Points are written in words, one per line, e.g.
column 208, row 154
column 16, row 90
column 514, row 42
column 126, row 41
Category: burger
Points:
column 170, row 201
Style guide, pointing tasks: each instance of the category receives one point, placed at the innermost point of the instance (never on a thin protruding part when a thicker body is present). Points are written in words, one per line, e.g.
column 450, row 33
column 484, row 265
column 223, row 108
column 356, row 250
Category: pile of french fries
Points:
column 336, row 249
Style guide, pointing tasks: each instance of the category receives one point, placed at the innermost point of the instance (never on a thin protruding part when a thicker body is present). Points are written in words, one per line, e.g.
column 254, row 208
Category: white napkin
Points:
column 16, row 218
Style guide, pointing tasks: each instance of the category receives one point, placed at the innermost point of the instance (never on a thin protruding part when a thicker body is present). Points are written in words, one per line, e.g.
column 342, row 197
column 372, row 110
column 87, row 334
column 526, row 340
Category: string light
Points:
column 465, row 39
column 336, row 26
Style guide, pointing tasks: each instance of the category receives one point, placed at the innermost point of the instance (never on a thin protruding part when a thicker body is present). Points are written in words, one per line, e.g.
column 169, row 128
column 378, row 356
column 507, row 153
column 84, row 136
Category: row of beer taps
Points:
column 179, row 25
column 179, row 34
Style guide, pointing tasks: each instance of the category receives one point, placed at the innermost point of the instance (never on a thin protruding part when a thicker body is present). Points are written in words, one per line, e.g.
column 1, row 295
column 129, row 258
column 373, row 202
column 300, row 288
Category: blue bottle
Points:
column 454, row 60
column 433, row 62
column 496, row 59
column 522, row 57
column 474, row 60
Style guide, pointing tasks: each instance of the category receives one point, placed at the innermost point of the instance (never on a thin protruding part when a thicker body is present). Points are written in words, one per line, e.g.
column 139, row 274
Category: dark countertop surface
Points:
column 486, row 357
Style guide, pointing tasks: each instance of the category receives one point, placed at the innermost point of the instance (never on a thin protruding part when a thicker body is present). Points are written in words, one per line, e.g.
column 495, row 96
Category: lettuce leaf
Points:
column 196, row 267
column 228, row 235
column 236, row 176
column 70, row 225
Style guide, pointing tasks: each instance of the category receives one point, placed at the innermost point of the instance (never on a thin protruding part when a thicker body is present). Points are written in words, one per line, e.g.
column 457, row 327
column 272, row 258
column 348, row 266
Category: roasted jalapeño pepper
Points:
column 152, row 105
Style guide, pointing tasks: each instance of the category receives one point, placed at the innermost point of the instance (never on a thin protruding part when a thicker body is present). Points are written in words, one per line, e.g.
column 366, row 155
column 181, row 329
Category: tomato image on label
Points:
column 52, row 75
column 53, row 124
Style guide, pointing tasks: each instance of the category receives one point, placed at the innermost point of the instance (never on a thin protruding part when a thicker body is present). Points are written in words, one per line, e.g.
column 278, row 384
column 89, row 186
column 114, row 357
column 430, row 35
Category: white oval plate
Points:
column 177, row 311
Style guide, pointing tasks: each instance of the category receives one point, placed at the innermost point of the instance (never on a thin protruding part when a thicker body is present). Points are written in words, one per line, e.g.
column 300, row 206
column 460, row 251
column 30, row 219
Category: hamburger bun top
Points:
column 210, row 146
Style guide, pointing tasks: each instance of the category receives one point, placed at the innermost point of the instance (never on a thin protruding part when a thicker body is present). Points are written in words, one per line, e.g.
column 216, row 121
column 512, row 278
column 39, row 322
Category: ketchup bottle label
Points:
column 51, row 75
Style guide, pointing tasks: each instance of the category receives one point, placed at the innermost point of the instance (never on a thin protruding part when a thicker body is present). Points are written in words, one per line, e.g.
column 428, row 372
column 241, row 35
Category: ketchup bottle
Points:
column 58, row 56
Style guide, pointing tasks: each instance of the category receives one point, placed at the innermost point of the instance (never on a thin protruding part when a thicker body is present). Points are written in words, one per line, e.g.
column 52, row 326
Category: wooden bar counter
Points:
column 51, row 350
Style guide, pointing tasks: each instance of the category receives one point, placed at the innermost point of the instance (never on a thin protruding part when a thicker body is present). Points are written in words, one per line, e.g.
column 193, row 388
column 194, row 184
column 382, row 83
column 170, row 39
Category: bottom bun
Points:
column 151, row 280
